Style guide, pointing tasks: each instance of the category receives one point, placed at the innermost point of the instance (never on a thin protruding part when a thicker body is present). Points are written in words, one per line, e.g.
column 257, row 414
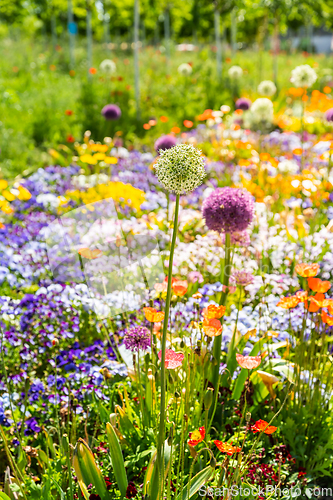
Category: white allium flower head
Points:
column 262, row 109
column 108, row 66
column 235, row 72
column 185, row 69
column 267, row 88
column 180, row 169
column 303, row 76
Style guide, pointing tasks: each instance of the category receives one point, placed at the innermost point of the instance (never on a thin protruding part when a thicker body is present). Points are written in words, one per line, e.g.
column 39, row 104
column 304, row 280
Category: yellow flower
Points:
column 24, row 194
column 3, row 184
column 121, row 193
column 99, row 156
column 269, row 380
column 111, row 160
column 8, row 195
column 88, row 159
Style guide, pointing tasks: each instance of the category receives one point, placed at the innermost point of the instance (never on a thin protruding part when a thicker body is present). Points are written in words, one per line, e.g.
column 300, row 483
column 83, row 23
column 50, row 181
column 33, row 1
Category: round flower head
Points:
column 228, row 209
column 329, row 115
column 108, row 66
column 267, row 88
column 243, row 278
column 137, row 338
column 243, row 103
column 180, row 169
column 262, row 109
column 111, row 112
column 303, row 76
column 185, row 69
column 235, row 72
column 165, row 142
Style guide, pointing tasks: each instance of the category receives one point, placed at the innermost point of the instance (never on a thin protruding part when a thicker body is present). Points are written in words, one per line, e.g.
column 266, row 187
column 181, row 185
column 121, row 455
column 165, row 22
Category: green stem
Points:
column 223, row 299
column 161, row 435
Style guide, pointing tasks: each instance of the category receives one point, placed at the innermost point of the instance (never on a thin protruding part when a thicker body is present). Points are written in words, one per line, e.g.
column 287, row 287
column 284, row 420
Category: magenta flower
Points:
column 228, row 209
column 243, row 278
column 329, row 115
column 137, row 338
column 243, row 103
column 165, row 142
column 111, row 112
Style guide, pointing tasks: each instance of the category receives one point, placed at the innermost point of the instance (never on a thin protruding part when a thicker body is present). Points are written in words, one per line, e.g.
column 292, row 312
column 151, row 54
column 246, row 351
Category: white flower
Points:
column 108, row 66
column 267, row 88
column 288, row 167
column 303, row 76
column 235, row 72
column 185, row 69
column 225, row 108
column 262, row 109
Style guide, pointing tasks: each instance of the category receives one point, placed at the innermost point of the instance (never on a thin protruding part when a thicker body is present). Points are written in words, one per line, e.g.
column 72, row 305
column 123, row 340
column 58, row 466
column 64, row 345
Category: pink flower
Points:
column 172, row 359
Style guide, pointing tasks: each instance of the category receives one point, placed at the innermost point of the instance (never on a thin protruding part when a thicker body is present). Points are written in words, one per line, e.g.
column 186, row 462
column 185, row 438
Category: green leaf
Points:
column 195, row 484
column 153, row 486
column 117, row 459
column 87, row 471
column 3, row 496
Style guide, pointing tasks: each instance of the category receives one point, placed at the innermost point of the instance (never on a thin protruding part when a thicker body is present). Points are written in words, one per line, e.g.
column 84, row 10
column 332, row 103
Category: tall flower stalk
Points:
column 180, row 169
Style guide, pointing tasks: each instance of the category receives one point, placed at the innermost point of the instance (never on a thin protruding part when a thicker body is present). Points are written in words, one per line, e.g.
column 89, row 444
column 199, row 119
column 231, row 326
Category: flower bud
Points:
column 212, row 462
column 208, row 399
column 248, row 417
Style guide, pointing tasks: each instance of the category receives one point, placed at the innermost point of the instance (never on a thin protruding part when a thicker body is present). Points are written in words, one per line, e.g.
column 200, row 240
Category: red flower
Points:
column 227, row 447
column 131, row 490
column 68, row 112
column 197, row 436
column 70, row 138
column 172, row 359
column 262, row 426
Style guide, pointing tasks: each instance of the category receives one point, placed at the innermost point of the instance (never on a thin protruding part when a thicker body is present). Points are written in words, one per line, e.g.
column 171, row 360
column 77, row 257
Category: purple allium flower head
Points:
column 136, row 338
column 329, row 115
column 242, row 278
column 243, row 103
column 111, row 112
column 165, row 142
column 228, row 209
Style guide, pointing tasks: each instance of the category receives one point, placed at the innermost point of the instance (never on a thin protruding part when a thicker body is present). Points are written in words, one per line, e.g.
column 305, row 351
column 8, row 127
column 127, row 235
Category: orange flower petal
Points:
column 152, row 315
column 248, row 362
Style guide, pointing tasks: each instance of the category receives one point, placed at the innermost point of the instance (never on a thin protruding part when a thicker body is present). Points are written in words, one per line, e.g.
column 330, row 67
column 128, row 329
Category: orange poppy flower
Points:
column 175, row 130
column 326, row 318
column 152, row 315
column 302, row 296
column 288, row 302
column 92, row 71
column 264, row 156
column 317, row 285
column 248, row 362
column 297, row 151
column 262, row 426
column 180, row 287
column 213, row 311
column 90, row 254
column 317, row 301
column 68, row 112
column 146, row 126
column 188, row 123
column 164, row 119
column 172, row 359
column 227, row 447
column 197, row 436
column 212, row 327
column 307, row 270
column 327, row 90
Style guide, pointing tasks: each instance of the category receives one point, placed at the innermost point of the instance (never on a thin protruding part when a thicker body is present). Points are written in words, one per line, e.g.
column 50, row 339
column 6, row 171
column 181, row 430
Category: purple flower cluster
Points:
column 165, row 142
column 329, row 115
column 137, row 338
column 111, row 112
column 228, row 210
column 243, row 103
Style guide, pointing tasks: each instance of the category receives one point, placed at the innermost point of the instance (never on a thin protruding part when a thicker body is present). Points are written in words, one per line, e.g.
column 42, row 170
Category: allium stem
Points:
column 161, row 434
column 223, row 299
